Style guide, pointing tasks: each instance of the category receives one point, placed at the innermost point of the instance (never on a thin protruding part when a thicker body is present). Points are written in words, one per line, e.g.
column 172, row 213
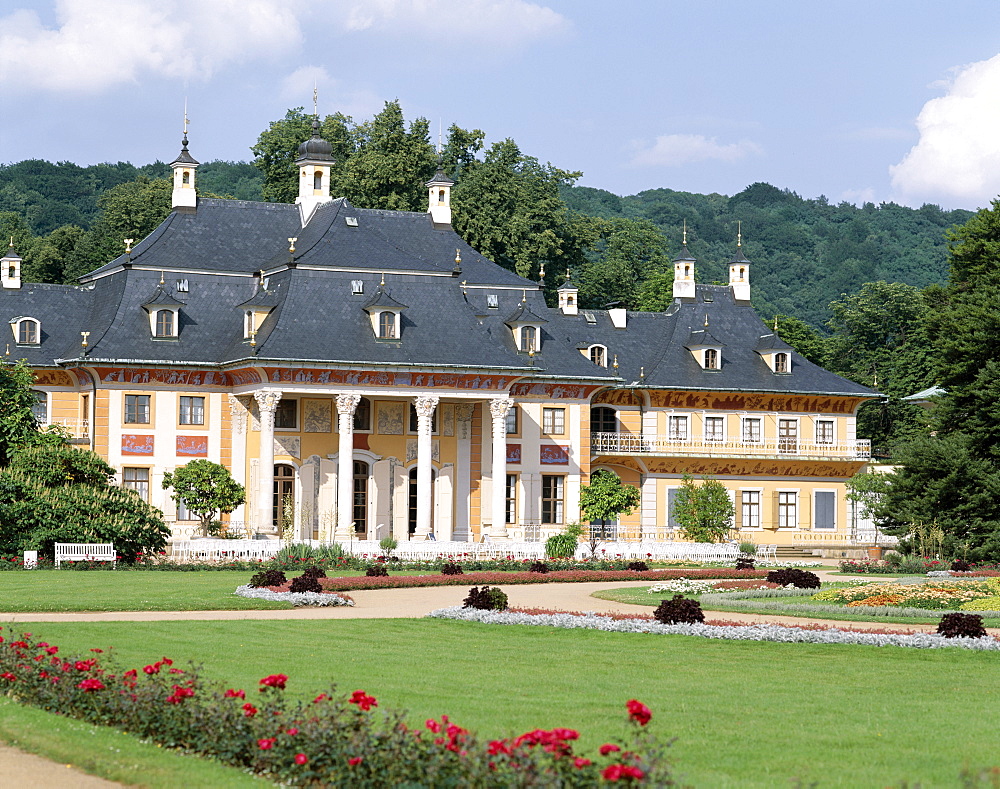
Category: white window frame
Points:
column 677, row 420
column 16, row 326
column 714, row 438
column 743, row 504
column 718, row 359
column 796, row 508
column 553, row 421
column 598, row 354
column 193, row 410
column 833, row 431
column 788, row 362
column 760, row 429
column 526, row 343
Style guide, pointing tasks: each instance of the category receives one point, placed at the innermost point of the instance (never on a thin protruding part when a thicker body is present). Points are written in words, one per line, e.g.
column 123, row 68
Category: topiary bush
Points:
column 377, row 571
column 268, row 578
column 314, row 572
column 960, row 566
column 305, row 583
column 452, row 568
column 745, row 563
column 792, row 576
column 486, row 598
column 679, row 610
column 538, row 567
column 639, row 567
column 961, row 626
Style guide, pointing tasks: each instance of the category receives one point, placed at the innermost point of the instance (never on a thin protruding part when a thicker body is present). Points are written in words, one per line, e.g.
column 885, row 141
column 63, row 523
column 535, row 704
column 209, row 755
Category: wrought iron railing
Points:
column 632, row 444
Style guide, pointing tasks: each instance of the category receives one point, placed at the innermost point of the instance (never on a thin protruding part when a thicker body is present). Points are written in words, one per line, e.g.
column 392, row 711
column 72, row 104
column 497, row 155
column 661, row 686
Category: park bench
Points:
column 84, row 552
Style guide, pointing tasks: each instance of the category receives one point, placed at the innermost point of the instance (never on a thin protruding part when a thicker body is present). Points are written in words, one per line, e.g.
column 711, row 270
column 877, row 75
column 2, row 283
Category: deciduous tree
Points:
column 206, row 489
column 703, row 511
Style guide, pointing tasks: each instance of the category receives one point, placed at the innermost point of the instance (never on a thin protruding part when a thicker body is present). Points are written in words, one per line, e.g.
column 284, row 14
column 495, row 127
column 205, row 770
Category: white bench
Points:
column 84, row 552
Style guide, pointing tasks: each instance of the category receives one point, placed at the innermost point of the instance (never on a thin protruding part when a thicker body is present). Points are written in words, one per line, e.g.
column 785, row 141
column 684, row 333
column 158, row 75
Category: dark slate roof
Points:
column 702, row 338
column 684, row 254
column 739, row 257
column 62, row 311
column 184, row 157
column 11, row 252
column 382, row 300
column 315, row 148
column 440, row 179
column 262, row 297
column 163, row 296
column 524, row 314
column 771, row 342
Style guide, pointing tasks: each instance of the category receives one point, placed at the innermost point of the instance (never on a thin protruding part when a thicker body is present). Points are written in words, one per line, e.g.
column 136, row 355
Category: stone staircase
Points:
column 792, row 552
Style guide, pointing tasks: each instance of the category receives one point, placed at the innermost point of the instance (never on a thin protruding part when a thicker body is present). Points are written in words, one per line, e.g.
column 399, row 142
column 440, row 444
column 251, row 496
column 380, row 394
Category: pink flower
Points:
column 579, row 762
column 249, row 710
column 274, row 681
column 266, row 744
column 433, row 725
column 301, row 758
column 235, row 694
column 638, row 712
column 354, row 761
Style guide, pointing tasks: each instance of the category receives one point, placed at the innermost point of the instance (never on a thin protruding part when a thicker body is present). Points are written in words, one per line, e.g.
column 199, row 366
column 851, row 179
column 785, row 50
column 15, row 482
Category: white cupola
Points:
column 739, row 271
column 185, row 197
column 569, row 297
column 10, row 276
column 314, row 162
column 439, row 196
column 684, row 286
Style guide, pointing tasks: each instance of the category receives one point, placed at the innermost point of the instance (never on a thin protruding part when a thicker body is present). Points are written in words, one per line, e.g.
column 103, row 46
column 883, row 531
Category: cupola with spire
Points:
column 439, row 196
column 10, row 274
column 684, row 284
column 315, row 158
column 185, row 196
column 739, row 270
column 569, row 297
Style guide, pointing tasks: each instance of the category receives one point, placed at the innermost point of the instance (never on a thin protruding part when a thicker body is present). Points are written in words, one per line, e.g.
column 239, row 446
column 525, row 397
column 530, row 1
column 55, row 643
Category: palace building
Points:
column 366, row 372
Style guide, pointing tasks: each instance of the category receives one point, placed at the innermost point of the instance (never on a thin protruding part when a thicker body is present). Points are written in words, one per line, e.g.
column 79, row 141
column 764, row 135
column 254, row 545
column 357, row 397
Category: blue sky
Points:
column 878, row 100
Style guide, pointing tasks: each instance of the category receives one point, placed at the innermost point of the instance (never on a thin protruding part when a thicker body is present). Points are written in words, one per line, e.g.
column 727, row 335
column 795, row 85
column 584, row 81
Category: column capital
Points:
column 267, row 399
column 425, row 405
column 239, row 407
column 347, row 403
column 499, row 406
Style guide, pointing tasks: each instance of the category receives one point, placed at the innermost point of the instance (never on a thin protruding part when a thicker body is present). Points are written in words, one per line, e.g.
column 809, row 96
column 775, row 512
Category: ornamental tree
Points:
column 604, row 499
column 205, row 488
column 704, row 512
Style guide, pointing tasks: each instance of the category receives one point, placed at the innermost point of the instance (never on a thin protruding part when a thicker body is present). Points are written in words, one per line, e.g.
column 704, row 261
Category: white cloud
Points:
column 679, row 149
column 297, row 88
column 859, row 196
column 956, row 162
column 98, row 44
column 497, row 22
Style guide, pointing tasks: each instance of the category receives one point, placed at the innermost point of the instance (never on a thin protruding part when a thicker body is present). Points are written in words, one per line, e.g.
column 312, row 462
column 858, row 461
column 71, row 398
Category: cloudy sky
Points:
column 854, row 99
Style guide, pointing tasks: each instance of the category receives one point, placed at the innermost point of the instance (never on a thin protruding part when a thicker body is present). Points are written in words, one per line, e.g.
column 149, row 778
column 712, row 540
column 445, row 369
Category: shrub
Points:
column 792, row 576
column 295, row 552
column 377, row 571
column 564, row 544
column 305, row 583
column 314, row 572
column 486, row 598
column 745, row 563
column 982, row 604
column 679, row 610
column 451, row 568
column 639, row 567
column 538, row 567
column 961, row 625
column 330, row 553
column 268, row 578
column 960, row 566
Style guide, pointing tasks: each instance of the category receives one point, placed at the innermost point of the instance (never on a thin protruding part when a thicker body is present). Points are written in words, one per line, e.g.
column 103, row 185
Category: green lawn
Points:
column 745, row 714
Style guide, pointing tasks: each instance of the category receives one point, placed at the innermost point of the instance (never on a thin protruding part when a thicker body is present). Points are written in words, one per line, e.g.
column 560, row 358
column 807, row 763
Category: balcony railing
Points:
column 700, row 446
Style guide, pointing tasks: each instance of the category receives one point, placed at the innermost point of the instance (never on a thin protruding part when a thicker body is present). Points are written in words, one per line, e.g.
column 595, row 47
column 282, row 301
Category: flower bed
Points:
column 933, row 595
column 738, row 632
column 295, row 598
column 556, row 576
column 692, row 586
column 334, row 740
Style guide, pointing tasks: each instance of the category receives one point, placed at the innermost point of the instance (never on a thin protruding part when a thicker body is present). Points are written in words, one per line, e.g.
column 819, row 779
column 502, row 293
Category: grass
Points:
column 639, row 595
column 745, row 714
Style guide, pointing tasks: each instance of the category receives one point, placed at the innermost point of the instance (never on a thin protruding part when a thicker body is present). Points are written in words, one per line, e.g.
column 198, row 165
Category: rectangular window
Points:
column 788, row 435
column 136, row 479
column 192, row 411
column 415, row 422
column 826, row 508
column 677, row 427
column 751, row 430
column 137, row 409
column 285, row 415
column 788, row 509
column 183, row 513
column 553, row 488
column 554, row 422
column 824, row 431
column 512, row 426
column 750, row 509
column 511, row 507
column 715, row 428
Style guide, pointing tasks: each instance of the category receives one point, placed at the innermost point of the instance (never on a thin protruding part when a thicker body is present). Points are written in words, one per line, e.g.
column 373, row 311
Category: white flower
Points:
column 295, row 598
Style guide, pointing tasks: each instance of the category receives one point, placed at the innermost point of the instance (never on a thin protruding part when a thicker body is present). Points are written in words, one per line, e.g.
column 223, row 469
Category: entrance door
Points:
column 360, row 514
column 412, row 501
column 283, row 503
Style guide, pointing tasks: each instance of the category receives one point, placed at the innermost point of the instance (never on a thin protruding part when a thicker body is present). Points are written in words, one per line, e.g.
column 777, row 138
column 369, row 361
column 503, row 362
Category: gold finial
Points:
column 464, row 283
column 685, row 237
column 128, row 246
column 614, row 363
column 775, row 323
column 291, row 244
column 642, row 373
column 567, row 274
column 161, row 277
column 83, row 338
column 541, row 271
column 524, row 295
column 253, row 338
column 315, row 99
column 186, row 121
column 706, row 320
column 458, row 257
column 8, row 349
column 875, row 380
column 12, row 240
column 383, row 279
column 739, row 233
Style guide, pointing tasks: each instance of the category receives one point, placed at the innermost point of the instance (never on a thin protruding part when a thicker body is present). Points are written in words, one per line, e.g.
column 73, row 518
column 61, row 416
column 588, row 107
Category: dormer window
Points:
column 529, row 337
column 711, row 359
column 781, row 363
column 387, row 325
column 165, row 324
column 526, row 328
column 27, row 331
column 598, row 355
column 247, row 324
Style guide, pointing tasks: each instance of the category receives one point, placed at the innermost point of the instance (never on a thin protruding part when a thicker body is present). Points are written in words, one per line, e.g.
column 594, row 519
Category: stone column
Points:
column 498, row 409
column 425, row 405
column 346, row 404
column 463, row 470
column 267, row 404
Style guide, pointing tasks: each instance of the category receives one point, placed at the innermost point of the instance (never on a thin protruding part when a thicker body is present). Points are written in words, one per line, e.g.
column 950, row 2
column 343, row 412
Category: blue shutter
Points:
column 826, row 503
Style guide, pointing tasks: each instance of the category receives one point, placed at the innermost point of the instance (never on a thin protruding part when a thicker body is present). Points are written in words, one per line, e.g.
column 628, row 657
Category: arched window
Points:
column 318, row 180
column 387, row 325
column 528, row 335
column 27, row 332
column 363, row 415
column 599, row 355
column 603, row 420
column 360, row 514
column 248, row 324
column 165, row 323
column 186, row 177
column 711, row 359
column 441, row 195
column 781, row 362
column 283, row 502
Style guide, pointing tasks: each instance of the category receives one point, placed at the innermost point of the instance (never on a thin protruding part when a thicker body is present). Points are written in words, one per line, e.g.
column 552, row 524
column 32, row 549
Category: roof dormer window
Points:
column 385, row 314
column 526, row 328
column 387, row 321
column 165, row 323
column 598, row 355
column 529, row 339
column 164, row 313
column 711, row 359
column 781, row 363
column 27, row 331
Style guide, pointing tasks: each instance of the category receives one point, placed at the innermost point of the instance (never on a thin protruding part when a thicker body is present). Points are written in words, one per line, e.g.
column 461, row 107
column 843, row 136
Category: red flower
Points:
column 91, row 684
column 607, row 748
column 97, row 650
column 8, row 676
column 497, row 747
column 48, row 650
column 235, row 694
column 354, row 761
column 176, row 671
column 131, row 674
column 301, row 758
column 320, row 697
column 613, row 772
column 154, row 669
column 179, row 694
column 266, row 744
column 566, row 734
column 433, row 725
column 166, row 662
column 292, row 732
column 579, row 762
column 638, row 712
column 363, row 700
column 249, row 710
column 274, row 681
